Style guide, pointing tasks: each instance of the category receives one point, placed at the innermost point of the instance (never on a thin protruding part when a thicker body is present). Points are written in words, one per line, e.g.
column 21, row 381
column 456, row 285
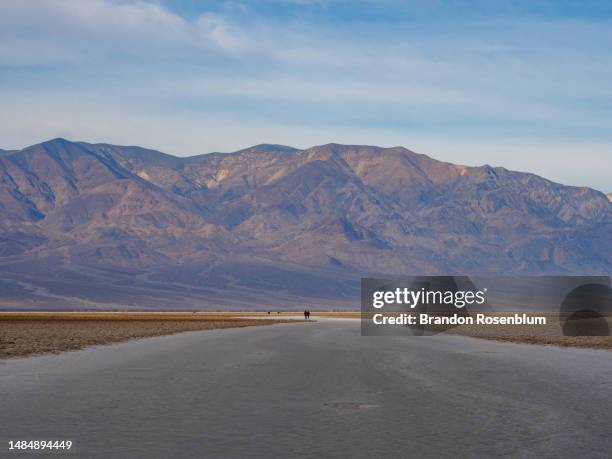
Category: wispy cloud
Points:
column 80, row 28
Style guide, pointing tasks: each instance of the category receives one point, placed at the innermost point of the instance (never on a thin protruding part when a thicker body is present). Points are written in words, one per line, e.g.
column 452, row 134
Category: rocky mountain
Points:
column 97, row 225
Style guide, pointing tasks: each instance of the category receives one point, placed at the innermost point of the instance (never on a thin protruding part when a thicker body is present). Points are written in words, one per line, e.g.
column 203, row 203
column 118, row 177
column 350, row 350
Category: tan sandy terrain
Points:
column 594, row 342
column 31, row 333
column 23, row 334
column 549, row 335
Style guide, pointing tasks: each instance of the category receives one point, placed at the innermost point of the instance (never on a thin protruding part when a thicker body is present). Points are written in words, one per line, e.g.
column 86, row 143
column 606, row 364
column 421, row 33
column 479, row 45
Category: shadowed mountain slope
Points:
column 98, row 225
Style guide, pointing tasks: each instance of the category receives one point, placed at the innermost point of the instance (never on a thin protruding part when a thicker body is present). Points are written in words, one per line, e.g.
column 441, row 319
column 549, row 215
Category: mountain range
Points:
column 103, row 226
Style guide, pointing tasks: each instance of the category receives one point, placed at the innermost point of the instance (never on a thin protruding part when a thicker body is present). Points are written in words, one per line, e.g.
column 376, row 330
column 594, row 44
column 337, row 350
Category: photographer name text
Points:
column 456, row 319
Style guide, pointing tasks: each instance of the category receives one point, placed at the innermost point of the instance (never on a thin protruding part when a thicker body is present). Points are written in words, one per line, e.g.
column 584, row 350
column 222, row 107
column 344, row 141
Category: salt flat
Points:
column 311, row 390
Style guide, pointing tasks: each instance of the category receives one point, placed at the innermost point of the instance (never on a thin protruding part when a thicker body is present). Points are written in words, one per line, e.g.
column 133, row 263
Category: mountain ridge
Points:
column 273, row 225
column 274, row 148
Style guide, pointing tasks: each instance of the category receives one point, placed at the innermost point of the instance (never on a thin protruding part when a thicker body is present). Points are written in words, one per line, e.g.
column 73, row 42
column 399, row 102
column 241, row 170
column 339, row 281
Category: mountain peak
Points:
column 56, row 141
column 269, row 148
column 54, row 144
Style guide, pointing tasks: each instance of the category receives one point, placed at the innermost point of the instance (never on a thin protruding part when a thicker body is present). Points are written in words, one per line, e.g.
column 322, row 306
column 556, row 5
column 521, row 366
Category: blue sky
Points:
column 521, row 84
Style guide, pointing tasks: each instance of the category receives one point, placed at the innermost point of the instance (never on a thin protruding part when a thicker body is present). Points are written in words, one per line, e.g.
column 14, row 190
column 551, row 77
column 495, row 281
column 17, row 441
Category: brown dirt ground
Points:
column 23, row 334
column 548, row 335
column 592, row 342
column 509, row 334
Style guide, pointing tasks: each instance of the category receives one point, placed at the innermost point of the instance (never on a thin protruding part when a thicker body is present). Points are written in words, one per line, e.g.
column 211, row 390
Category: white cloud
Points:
column 80, row 29
column 91, row 17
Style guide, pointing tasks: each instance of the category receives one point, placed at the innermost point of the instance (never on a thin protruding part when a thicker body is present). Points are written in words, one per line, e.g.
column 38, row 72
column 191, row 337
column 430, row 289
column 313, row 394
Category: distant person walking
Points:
column 306, row 314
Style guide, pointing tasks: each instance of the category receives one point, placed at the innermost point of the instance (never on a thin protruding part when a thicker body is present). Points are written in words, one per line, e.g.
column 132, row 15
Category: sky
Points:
column 526, row 85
